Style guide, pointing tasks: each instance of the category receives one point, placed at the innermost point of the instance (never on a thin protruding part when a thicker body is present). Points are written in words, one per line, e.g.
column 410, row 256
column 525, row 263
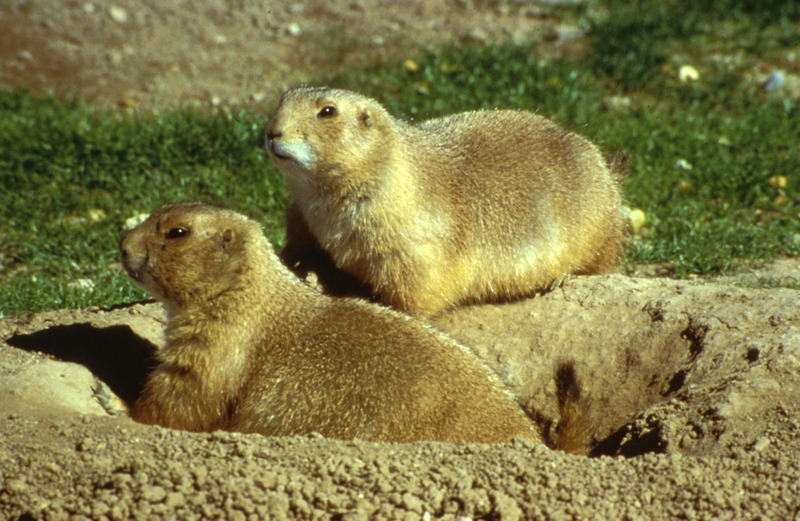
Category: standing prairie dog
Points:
column 252, row 348
column 476, row 206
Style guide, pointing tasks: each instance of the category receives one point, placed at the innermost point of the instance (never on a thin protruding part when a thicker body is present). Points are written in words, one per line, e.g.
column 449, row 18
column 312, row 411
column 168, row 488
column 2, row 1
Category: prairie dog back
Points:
column 475, row 206
column 251, row 348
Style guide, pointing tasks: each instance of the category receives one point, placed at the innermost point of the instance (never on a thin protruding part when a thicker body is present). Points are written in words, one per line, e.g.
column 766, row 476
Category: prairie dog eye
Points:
column 177, row 233
column 328, row 111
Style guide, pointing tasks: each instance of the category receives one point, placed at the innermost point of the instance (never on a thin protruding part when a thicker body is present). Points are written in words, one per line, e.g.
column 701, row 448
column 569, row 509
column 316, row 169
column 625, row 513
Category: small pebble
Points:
column 82, row 284
column 778, row 181
column 761, row 444
column 617, row 103
column 411, row 502
column 96, row 215
column 775, row 81
column 478, row 35
column 153, row 494
column 175, row 500
column 410, row 65
column 16, row 486
column 293, row 29
column 688, row 73
column 135, row 220
column 567, row 33
column 118, row 14
column 636, row 219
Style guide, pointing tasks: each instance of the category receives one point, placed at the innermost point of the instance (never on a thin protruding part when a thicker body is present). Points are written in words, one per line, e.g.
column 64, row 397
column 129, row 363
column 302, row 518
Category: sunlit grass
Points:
column 713, row 163
column 70, row 178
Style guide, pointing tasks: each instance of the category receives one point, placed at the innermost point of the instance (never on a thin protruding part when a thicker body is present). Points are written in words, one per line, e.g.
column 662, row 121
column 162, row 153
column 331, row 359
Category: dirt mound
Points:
column 156, row 53
column 700, row 382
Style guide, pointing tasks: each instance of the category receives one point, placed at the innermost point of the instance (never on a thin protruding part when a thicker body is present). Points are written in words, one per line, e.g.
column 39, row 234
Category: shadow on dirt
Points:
column 627, row 444
column 115, row 354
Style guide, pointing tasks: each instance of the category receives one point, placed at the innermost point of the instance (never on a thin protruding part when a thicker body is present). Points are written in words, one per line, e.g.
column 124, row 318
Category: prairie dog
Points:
column 252, row 348
column 475, row 206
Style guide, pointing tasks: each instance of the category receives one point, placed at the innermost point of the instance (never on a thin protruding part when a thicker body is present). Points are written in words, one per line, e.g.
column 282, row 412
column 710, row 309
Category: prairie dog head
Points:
column 321, row 135
column 188, row 253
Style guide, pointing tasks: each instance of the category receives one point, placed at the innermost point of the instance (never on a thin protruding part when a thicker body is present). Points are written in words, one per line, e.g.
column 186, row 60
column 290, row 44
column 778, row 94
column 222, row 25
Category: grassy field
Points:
column 714, row 163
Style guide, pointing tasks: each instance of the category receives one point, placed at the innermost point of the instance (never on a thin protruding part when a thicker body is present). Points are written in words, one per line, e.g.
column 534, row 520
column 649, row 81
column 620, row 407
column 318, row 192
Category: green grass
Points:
column 61, row 164
column 69, row 179
column 635, row 39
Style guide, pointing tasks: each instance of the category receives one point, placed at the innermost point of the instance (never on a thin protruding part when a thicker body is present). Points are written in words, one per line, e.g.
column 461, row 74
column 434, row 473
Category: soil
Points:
column 694, row 385
column 147, row 54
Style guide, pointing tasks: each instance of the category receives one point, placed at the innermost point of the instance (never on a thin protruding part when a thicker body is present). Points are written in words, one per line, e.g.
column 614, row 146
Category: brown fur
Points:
column 575, row 425
column 251, row 348
column 475, row 206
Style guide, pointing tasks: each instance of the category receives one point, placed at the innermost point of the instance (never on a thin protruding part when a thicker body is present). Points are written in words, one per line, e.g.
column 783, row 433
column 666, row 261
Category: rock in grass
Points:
column 775, row 81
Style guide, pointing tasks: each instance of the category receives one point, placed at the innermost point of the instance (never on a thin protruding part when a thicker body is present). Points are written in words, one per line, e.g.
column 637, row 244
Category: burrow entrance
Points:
column 630, row 357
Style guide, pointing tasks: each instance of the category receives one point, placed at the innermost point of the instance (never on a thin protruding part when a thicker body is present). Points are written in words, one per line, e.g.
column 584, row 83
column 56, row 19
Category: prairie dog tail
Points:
column 574, row 426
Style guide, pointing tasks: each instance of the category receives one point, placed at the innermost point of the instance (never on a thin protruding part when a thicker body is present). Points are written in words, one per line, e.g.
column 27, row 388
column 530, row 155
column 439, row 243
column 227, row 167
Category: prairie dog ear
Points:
column 226, row 238
column 366, row 118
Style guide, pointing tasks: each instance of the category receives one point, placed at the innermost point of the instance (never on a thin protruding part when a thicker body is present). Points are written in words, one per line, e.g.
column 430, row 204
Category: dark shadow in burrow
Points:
column 115, row 354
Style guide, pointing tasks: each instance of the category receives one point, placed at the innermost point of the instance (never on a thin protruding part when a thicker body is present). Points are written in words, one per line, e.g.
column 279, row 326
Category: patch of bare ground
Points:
column 695, row 392
column 151, row 53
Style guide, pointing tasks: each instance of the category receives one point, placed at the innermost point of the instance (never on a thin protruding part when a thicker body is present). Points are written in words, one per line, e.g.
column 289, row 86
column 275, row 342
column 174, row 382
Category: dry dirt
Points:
column 695, row 388
column 695, row 385
column 158, row 53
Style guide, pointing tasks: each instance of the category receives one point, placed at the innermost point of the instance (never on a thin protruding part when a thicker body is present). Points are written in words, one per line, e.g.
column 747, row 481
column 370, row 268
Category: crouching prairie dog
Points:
column 252, row 348
column 476, row 206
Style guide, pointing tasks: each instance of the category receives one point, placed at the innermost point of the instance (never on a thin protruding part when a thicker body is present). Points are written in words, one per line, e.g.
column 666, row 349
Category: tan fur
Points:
column 252, row 348
column 476, row 206
column 575, row 415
